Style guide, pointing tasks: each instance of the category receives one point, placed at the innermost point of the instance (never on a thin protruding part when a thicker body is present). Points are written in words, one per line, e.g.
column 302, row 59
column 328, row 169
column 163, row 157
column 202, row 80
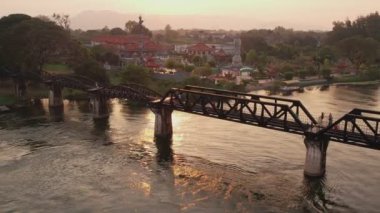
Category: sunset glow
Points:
column 212, row 14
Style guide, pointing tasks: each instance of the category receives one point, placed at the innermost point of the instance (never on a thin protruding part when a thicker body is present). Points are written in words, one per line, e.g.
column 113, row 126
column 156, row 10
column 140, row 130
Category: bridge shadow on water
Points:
column 33, row 108
column 101, row 127
column 56, row 114
column 84, row 106
column 30, row 114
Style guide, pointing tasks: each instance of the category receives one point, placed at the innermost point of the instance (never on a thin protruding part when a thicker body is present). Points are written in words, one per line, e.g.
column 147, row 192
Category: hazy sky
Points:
column 239, row 14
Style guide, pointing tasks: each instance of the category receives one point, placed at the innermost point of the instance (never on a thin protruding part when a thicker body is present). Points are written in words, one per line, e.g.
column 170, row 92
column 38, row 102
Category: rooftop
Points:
column 199, row 47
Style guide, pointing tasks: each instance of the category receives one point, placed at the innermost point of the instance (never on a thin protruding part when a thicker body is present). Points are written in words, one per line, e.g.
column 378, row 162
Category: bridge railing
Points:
column 123, row 92
column 358, row 127
column 144, row 90
column 70, row 81
column 250, row 111
column 295, row 105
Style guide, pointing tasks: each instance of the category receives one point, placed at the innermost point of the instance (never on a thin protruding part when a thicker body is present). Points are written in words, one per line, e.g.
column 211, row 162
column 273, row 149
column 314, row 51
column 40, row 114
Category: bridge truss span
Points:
column 358, row 127
column 294, row 105
column 141, row 89
column 239, row 109
column 123, row 92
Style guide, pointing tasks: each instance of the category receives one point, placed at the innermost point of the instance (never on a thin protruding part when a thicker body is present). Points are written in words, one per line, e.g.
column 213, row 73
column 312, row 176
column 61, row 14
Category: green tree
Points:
column 105, row 30
column 327, row 52
column 359, row 50
column 62, row 20
column 135, row 74
column 92, row 70
column 188, row 68
column 326, row 73
column 77, row 53
column 170, row 34
column 98, row 52
column 302, row 73
column 170, row 64
column 27, row 45
column 365, row 26
column 373, row 72
column 44, row 18
column 117, row 31
column 130, row 26
column 252, row 41
column 202, row 71
column 286, row 52
column 251, row 57
column 286, row 68
column 288, row 75
column 104, row 55
column 111, row 58
column 7, row 22
column 211, row 63
column 133, row 27
column 197, row 60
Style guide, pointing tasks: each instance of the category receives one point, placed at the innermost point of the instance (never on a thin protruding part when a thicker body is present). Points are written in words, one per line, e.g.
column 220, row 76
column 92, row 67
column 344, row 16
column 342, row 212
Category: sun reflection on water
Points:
column 146, row 188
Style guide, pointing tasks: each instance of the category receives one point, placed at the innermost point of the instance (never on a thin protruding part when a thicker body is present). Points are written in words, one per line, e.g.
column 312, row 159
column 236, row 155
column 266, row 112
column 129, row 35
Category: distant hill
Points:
column 98, row 19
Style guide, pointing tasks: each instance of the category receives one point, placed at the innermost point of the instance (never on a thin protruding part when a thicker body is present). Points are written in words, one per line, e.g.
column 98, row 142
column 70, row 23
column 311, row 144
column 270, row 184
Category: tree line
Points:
column 28, row 43
column 313, row 53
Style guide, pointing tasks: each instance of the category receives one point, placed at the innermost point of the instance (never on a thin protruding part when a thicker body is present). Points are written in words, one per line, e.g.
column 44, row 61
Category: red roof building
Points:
column 200, row 49
column 129, row 45
column 151, row 63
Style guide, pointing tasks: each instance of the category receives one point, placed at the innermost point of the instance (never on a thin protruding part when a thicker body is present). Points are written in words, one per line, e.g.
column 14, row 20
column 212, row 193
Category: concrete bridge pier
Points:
column 164, row 149
column 55, row 96
column 56, row 113
column 99, row 107
column 316, row 151
column 20, row 88
column 163, row 127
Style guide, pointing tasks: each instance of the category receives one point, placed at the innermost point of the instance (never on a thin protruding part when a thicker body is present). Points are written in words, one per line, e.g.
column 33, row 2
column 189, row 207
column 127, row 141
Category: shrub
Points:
column 288, row 76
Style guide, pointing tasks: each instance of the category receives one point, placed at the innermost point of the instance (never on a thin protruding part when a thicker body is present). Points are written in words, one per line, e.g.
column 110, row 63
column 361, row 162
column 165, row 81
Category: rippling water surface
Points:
column 65, row 161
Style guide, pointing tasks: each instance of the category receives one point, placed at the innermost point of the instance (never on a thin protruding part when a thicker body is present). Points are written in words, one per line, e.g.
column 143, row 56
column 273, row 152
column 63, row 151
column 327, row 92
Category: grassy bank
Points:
column 8, row 97
column 58, row 69
column 72, row 94
column 352, row 79
column 7, row 100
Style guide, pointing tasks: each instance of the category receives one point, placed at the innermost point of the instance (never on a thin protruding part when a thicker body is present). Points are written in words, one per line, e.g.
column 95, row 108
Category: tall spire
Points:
column 141, row 21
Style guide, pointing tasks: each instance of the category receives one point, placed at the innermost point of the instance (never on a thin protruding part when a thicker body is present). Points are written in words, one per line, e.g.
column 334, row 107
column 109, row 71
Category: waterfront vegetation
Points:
column 57, row 69
column 7, row 99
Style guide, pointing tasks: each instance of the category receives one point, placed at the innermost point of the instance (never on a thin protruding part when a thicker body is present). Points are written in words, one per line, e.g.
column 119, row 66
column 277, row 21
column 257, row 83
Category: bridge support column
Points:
column 315, row 162
column 99, row 107
column 163, row 128
column 55, row 96
column 20, row 88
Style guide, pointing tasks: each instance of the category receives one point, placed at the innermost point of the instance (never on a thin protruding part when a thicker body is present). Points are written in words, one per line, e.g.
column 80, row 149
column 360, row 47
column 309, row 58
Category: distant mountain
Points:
column 98, row 19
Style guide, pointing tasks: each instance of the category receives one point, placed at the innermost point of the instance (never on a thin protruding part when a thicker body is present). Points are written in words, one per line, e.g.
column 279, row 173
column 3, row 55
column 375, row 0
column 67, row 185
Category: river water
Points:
column 66, row 162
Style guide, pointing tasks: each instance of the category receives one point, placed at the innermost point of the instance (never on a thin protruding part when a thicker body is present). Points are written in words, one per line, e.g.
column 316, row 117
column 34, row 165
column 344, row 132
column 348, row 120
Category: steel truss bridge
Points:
column 358, row 127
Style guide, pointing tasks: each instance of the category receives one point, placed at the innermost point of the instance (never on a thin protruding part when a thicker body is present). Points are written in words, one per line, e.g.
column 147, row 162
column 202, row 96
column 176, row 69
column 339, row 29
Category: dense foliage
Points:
column 27, row 44
column 282, row 50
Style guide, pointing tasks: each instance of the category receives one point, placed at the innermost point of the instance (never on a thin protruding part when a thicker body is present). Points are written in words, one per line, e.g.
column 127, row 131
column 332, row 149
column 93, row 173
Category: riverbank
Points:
column 277, row 86
column 35, row 91
column 358, row 83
